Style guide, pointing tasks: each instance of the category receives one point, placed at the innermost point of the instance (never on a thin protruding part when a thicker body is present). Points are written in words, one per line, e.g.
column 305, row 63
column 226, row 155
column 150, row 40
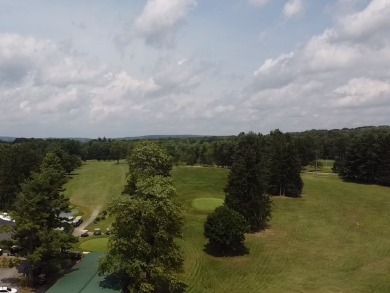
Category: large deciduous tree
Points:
column 147, row 159
column 245, row 190
column 142, row 250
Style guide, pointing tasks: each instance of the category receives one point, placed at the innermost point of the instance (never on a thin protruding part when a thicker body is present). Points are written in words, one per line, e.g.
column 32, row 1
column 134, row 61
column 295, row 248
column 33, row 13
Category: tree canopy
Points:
column 143, row 253
column 225, row 230
column 247, row 182
column 37, row 216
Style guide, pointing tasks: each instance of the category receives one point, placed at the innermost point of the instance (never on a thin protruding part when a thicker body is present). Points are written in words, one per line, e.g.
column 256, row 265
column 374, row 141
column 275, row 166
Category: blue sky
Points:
column 124, row 68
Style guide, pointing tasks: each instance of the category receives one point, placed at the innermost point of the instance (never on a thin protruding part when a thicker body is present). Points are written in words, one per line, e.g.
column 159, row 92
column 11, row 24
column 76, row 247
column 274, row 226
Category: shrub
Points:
column 225, row 229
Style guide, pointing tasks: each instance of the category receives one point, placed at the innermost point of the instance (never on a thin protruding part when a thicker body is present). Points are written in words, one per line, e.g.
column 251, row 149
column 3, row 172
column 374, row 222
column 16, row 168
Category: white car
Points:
column 8, row 290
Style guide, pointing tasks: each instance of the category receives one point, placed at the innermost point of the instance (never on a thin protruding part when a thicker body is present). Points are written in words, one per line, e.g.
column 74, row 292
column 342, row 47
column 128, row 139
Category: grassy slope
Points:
column 334, row 239
column 95, row 184
column 95, row 244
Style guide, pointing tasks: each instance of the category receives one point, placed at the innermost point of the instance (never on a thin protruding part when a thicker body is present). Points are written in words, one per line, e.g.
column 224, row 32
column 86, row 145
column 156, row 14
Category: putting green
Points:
column 206, row 203
column 95, row 245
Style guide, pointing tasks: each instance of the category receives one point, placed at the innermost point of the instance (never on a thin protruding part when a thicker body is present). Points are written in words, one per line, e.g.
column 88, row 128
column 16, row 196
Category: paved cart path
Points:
column 77, row 231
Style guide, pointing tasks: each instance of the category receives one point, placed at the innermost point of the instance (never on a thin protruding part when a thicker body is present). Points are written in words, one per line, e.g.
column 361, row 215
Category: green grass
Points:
column 336, row 238
column 206, row 204
column 327, row 166
column 95, row 184
column 95, row 245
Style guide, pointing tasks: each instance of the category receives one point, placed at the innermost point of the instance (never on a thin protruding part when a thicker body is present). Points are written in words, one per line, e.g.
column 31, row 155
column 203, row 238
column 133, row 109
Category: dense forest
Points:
column 360, row 154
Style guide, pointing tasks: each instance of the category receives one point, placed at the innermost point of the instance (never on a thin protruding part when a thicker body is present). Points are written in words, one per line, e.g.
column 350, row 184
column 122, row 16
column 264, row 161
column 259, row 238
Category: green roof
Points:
column 83, row 278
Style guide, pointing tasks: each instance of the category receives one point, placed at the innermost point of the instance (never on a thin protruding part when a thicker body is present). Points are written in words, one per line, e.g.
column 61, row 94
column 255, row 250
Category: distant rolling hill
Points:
column 7, row 138
column 155, row 137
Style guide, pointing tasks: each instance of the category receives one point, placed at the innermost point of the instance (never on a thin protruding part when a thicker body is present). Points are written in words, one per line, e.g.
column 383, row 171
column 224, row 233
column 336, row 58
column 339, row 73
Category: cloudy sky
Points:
column 89, row 68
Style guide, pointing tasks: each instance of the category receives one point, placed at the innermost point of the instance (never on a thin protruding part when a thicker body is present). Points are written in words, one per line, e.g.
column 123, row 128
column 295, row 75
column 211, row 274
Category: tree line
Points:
column 18, row 160
column 354, row 151
column 366, row 159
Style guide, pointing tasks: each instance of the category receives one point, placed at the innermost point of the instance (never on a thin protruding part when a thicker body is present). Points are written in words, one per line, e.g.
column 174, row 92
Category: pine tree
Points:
column 37, row 216
column 245, row 190
column 284, row 165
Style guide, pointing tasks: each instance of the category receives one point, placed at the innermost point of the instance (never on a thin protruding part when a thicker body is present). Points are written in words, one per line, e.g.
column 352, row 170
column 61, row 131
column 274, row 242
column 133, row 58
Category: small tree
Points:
column 225, row 228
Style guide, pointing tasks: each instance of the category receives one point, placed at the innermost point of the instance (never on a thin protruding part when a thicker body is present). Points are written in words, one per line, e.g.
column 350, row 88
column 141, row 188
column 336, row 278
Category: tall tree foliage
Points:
column 16, row 163
column 284, row 165
column 142, row 250
column 245, row 190
column 147, row 159
column 367, row 159
column 37, row 216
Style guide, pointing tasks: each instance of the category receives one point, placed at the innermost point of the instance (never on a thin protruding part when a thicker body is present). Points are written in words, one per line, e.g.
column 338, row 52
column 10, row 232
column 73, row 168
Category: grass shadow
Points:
column 13, row 281
column 217, row 251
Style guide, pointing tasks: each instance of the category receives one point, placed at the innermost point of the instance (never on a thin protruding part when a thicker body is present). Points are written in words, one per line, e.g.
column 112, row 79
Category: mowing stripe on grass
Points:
column 206, row 204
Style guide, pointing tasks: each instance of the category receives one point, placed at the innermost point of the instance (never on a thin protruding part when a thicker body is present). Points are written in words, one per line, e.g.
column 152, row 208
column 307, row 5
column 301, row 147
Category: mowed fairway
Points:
column 95, row 184
column 336, row 238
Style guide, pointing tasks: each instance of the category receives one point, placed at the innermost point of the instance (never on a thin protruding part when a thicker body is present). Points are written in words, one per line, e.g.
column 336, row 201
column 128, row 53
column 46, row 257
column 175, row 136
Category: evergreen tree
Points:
column 36, row 213
column 246, row 186
column 284, row 165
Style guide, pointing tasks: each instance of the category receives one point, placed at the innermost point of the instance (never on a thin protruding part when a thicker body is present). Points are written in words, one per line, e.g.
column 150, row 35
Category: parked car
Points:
column 14, row 250
column 8, row 290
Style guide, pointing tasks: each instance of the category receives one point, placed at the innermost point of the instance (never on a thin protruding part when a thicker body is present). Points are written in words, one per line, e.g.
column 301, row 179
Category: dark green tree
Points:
column 363, row 158
column 284, row 165
column 246, row 186
column 17, row 161
column 117, row 150
column 225, row 230
column 37, row 216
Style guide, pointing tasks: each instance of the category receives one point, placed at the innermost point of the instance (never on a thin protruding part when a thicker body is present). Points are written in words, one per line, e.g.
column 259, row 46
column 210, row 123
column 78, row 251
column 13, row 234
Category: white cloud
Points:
column 370, row 22
column 363, row 92
column 57, row 87
column 334, row 78
column 160, row 19
column 293, row 8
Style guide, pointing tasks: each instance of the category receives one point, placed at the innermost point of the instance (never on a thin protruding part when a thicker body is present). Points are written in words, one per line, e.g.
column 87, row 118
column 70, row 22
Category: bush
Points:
column 225, row 229
column 7, row 262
